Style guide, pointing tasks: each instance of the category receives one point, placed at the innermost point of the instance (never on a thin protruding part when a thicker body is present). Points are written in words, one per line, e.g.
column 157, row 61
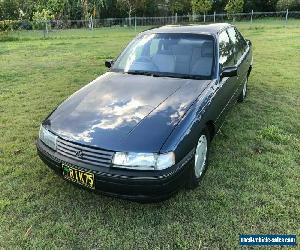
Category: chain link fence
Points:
column 10, row 25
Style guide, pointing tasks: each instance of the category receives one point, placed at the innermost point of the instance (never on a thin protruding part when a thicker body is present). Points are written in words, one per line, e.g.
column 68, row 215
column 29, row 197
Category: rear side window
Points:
column 238, row 42
column 226, row 56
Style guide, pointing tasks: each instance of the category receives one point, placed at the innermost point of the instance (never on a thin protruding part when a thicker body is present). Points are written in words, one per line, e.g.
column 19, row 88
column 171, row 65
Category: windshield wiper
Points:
column 166, row 74
column 195, row 77
column 183, row 76
column 144, row 73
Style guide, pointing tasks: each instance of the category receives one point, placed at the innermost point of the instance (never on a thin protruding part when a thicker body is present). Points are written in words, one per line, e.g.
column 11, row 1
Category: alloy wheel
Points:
column 200, row 156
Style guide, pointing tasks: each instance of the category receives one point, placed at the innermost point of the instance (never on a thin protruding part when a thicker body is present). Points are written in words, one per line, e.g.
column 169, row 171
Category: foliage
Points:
column 7, row 25
column 131, row 5
column 201, row 6
column 234, row 6
column 8, row 9
column 54, row 7
column 41, row 18
column 259, row 5
column 179, row 6
column 43, row 15
column 288, row 4
column 83, row 9
column 219, row 5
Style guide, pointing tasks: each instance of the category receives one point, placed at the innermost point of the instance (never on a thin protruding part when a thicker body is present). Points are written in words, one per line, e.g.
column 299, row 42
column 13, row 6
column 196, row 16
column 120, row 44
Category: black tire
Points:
column 194, row 180
column 243, row 94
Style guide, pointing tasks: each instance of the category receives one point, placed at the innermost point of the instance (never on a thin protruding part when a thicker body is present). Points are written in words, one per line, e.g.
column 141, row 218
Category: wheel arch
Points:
column 249, row 70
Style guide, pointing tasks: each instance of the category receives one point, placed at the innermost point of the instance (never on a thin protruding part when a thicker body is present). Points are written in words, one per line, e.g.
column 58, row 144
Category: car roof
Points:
column 210, row 29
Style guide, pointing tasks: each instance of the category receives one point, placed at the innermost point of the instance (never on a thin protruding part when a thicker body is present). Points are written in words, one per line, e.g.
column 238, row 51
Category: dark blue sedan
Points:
column 142, row 130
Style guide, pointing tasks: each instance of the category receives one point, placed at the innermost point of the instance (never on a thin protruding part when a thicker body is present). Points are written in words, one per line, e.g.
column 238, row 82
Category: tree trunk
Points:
column 129, row 15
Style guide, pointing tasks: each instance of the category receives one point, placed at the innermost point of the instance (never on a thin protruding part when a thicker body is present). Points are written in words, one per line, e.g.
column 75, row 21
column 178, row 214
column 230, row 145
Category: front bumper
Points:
column 144, row 186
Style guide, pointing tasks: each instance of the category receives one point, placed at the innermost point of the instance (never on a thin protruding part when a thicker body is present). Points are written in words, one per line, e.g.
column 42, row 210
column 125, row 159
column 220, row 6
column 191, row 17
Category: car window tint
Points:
column 238, row 42
column 154, row 47
column 232, row 35
column 225, row 50
column 241, row 41
column 180, row 54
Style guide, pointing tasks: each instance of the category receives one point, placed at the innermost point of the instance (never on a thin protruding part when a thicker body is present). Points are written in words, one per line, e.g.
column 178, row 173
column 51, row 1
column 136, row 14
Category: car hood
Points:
column 123, row 112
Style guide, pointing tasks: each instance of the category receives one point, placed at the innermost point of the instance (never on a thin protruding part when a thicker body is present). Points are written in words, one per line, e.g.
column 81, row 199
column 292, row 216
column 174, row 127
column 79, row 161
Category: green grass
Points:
column 251, row 186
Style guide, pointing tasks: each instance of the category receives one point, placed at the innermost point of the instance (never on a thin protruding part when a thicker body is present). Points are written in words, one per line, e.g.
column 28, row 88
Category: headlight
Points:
column 144, row 161
column 48, row 138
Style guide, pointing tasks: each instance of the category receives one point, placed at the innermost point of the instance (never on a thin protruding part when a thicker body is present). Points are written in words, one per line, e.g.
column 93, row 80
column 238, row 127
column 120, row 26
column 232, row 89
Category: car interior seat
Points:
column 164, row 59
column 202, row 60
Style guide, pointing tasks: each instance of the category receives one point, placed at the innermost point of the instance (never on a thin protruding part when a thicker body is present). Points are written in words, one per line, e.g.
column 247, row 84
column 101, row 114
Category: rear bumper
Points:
column 143, row 186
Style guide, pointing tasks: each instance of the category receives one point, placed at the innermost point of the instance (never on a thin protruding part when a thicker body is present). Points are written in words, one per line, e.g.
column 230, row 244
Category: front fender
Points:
column 185, row 136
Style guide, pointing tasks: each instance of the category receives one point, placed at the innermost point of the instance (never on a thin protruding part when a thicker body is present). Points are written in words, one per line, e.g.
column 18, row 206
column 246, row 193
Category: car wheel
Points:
column 199, row 165
column 243, row 94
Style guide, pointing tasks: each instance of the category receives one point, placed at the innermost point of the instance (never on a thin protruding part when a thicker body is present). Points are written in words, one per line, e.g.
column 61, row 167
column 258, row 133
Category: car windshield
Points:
column 171, row 55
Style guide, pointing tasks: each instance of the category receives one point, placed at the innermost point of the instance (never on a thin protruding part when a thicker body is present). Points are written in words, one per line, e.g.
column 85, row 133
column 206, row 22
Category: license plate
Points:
column 80, row 177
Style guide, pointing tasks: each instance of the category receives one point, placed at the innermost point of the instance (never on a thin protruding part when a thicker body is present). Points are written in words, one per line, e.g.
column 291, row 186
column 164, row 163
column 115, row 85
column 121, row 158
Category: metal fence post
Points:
column 46, row 29
column 91, row 23
column 46, row 26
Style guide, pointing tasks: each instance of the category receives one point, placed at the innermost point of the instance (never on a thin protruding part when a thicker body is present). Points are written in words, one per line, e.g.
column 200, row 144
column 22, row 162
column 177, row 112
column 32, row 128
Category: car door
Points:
column 226, row 85
column 241, row 59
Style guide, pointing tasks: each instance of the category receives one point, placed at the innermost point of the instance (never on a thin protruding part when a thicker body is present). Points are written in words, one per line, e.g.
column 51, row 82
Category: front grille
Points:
column 89, row 155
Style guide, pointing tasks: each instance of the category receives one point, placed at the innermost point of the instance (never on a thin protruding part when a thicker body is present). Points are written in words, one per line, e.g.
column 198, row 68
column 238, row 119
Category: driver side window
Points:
column 226, row 52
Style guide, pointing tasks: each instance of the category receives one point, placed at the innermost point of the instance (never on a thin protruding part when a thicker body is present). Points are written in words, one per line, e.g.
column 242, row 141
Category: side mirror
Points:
column 229, row 72
column 109, row 63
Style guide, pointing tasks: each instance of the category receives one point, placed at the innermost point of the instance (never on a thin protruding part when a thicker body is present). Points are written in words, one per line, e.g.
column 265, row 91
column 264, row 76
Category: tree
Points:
column 96, row 6
column 43, row 15
column 288, row 4
column 41, row 18
column 201, row 6
column 149, row 9
column 56, row 7
column 179, row 6
column 234, row 6
column 92, row 8
column 131, row 6
column 9, row 9
column 219, row 5
column 259, row 5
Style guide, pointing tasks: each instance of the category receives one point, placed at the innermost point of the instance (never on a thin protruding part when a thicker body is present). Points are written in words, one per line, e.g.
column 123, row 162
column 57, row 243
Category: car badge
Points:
column 79, row 154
